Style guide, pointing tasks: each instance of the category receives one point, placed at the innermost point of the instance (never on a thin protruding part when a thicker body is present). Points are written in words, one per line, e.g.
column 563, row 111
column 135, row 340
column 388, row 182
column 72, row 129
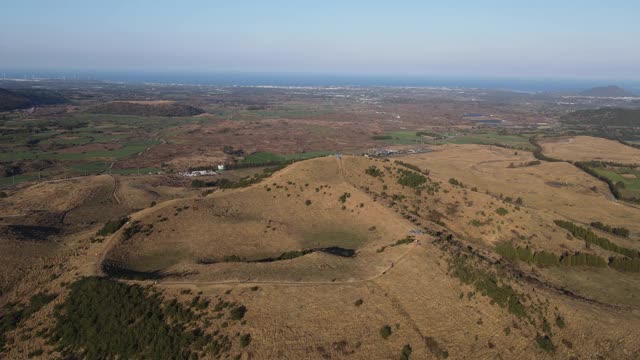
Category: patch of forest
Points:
column 604, row 117
column 137, row 109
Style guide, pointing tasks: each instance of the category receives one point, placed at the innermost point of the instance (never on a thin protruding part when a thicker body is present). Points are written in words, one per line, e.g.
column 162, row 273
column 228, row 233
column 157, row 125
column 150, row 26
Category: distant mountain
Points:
column 604, row 116
column 607, row 91
column 42, row 96
column 24, row 98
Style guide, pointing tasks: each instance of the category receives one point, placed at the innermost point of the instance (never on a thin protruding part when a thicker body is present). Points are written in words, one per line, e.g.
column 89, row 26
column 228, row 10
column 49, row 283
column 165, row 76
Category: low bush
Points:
column 245, row 340
column 373, row 171
column 112, row 226
column 411, row 178
column 406, row 352
column 502, row 211
column 343, row 198
column 238, row 313
column 385, row 331
column 545, row 343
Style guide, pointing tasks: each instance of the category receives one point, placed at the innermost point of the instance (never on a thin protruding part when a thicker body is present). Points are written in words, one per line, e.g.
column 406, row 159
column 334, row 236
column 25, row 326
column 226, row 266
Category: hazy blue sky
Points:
column 566, row 38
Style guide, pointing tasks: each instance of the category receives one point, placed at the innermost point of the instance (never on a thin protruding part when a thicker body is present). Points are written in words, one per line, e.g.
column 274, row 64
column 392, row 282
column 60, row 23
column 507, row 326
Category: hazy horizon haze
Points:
column 573, row 39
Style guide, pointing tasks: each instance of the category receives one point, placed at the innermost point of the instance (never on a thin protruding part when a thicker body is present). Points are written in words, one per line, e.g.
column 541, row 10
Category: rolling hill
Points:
column 468, row 251
column 12, row 101
column 607, row 91
column 24, row 98
column 604, row 117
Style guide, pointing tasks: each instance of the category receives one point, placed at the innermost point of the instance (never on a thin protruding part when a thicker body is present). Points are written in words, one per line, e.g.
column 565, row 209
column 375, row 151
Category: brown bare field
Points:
column 586, row 148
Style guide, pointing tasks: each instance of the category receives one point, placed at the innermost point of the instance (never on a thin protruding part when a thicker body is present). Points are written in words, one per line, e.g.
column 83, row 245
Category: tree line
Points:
column 619, row 231
column 592, row 238
column 545, row 258
column 537, row 153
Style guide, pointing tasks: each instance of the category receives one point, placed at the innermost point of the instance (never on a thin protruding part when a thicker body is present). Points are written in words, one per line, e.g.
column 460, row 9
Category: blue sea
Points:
column 298, row 79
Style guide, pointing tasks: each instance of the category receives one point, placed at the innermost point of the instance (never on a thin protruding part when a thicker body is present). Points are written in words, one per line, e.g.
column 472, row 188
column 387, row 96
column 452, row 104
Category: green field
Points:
column 489, row 139
column 136, row 171
column 631, row 182
column 403, row 137
column 90, row 167
column 9, row 181
column 267, row 157
column 409, row 137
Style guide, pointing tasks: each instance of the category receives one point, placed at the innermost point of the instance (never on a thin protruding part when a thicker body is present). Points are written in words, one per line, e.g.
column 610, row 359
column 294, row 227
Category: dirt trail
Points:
column 249, row 282
column 114, row 193
column 341, row 168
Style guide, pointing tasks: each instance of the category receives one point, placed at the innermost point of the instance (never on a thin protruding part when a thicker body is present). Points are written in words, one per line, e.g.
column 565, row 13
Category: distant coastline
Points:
column 325, row 80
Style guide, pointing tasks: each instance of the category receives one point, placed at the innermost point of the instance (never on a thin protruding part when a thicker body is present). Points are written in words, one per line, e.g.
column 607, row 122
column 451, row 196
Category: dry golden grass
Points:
column 305, row 308
column 54, row 196
column 585, row 148
column 265, row 221
column 552, row 190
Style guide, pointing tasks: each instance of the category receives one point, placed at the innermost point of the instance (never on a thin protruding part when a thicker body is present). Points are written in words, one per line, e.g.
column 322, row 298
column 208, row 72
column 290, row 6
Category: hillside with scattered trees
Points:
column 604, row 117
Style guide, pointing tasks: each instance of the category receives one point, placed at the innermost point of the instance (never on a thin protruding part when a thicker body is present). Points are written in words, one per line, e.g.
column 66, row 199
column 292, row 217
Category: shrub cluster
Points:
column 545, row 258
column 488, row 284
column 385, row 331
column 410, row 178
column 625, row 264
column 619, row 231
column 455, row 182
column 373, row 171
column 112, row 226
column 412, row 167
